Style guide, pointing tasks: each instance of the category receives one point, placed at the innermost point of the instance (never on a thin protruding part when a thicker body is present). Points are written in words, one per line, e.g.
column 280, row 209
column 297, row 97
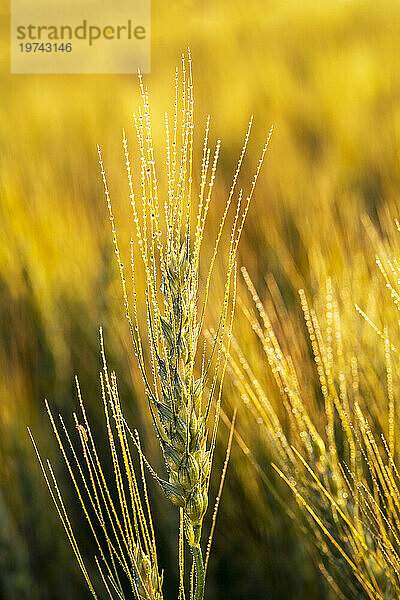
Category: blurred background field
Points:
column 327, row 75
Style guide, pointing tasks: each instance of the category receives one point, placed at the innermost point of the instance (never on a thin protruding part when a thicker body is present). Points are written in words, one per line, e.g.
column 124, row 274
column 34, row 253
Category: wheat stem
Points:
column 199, row 568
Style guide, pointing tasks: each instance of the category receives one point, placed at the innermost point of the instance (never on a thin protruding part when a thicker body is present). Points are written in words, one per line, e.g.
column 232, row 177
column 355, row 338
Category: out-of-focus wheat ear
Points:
column 370, row 590
column 326, row 365
column 355, row 382
column 247, row 452
column 332, row 583
column 373, row 457
column 390, row 456
column 319, row 352
column 329, row 496
column 378, row 331
column 282, row 372
column 247, row 384
column 220, row 490
column 378, row 524
column 390, row 393
column 390, row 276
column 344, row 392
column 376, row 469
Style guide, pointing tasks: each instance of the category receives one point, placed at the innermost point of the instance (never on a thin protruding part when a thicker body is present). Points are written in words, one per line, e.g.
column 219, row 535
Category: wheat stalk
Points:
column 180, row 402
column 182, row 385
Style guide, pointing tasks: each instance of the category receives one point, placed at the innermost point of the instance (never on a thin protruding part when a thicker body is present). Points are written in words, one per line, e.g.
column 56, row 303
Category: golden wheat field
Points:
column 284, row 286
